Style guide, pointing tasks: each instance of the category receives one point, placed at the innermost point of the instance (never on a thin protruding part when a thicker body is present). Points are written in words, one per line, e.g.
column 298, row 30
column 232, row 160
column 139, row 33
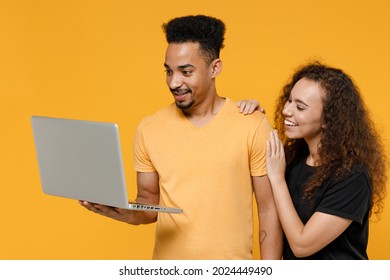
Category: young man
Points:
column 200, row 154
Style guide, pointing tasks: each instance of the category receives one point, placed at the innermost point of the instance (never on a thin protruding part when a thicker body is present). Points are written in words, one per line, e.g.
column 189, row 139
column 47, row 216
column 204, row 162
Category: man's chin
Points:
column 183, row 106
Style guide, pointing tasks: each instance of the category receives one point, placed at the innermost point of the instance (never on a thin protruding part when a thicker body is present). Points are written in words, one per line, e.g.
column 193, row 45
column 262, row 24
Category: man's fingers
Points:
column 98, row 208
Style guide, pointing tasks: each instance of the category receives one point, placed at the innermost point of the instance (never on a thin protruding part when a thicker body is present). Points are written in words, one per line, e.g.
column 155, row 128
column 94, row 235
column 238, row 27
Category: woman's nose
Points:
column 287, row 110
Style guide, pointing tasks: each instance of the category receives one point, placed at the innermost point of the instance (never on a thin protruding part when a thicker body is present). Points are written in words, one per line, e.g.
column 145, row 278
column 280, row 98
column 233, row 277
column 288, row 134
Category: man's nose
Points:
column 174, row 81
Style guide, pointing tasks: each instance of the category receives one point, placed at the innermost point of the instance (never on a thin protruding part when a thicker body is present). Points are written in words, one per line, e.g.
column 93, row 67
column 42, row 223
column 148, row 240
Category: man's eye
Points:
column 168, row 72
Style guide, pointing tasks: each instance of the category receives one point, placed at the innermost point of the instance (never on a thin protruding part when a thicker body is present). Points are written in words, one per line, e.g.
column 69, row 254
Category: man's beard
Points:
column 180, row 104
column 183, row 106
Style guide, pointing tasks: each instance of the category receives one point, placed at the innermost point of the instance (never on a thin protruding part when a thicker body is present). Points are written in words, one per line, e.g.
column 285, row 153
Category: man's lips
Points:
column 180, row 95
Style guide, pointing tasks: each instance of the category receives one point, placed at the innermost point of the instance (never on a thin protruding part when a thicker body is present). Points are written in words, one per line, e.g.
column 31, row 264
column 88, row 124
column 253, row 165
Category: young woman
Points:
column 326, row 165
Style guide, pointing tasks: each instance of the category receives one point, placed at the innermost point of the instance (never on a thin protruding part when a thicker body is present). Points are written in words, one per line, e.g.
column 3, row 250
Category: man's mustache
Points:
column 180, row 91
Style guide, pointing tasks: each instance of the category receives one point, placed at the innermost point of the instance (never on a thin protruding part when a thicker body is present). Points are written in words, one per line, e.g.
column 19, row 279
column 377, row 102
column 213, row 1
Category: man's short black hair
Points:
column 207, row 31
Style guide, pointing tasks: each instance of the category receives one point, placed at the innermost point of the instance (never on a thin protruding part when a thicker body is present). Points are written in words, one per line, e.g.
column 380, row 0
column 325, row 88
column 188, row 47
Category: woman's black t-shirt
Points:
column 349, row 198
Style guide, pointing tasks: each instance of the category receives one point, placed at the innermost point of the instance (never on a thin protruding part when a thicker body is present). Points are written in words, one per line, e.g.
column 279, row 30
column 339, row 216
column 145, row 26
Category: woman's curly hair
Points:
column 349, row 137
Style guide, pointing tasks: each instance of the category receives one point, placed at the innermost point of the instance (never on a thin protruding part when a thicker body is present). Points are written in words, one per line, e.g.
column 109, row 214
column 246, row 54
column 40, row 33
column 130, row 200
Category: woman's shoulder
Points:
column 356, row 177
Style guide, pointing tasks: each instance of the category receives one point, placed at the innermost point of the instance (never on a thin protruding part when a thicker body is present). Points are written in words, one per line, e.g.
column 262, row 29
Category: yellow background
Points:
column 103, row 60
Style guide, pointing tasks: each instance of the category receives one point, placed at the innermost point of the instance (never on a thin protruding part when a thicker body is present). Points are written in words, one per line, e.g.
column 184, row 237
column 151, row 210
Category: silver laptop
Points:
column 83, row 160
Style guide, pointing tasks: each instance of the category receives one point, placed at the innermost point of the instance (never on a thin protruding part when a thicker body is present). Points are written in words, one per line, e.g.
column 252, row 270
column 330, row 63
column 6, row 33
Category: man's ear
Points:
column 216, row 67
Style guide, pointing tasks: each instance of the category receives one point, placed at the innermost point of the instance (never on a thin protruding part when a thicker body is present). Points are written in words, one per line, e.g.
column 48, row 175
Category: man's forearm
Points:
column 270, row 236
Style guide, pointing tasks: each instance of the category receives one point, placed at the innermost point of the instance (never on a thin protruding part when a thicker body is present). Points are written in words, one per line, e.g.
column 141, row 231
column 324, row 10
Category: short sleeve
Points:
column 142, row 162
column 349, row 198
column 258, row 148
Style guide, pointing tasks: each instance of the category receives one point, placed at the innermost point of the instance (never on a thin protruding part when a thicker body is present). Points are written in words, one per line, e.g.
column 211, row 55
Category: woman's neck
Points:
column 313, row 159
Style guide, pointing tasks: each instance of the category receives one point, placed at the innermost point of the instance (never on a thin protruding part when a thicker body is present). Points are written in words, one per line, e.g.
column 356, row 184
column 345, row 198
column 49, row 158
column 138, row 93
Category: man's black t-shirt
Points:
column 349, row 198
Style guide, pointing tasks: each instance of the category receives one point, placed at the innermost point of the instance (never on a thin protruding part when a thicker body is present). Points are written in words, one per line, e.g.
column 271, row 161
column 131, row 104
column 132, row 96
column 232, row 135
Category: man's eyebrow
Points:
column 181, row 66
column 186, row 66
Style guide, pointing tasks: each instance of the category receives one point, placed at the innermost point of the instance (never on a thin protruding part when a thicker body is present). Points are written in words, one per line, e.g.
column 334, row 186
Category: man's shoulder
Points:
column 233, row 111
column 161, row 115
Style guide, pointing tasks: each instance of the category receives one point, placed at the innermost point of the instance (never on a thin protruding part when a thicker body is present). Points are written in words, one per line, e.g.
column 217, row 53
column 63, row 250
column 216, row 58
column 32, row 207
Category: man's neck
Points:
column 201, row 114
